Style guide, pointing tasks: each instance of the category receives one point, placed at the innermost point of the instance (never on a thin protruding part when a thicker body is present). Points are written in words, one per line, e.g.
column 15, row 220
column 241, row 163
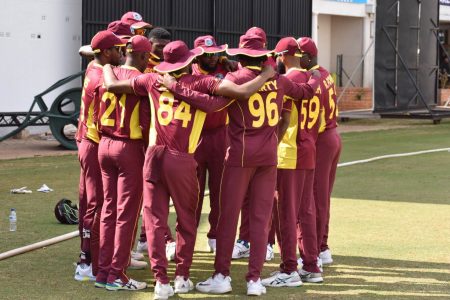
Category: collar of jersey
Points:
column 129, row 67
column 255, row 68
column 315, row 67
column 177, row 76
column 202, row 70
column 296, row 69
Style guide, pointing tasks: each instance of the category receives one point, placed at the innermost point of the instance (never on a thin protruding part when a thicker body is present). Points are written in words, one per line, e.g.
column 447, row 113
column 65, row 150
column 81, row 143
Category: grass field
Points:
column 390, row 227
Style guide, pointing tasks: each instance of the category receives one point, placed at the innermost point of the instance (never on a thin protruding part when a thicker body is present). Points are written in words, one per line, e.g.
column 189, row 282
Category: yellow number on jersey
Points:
column 258, row 110
column 314, row 110
column 83, row 93
column 310, row 110
column 104, row 119
column 334, row 110
column 165, row 111
column 183, row 113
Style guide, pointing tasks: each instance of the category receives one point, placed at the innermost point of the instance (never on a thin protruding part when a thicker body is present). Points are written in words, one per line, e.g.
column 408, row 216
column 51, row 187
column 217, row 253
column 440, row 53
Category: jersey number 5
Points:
column 310, row 112
column 259, row 110
column 166, row 114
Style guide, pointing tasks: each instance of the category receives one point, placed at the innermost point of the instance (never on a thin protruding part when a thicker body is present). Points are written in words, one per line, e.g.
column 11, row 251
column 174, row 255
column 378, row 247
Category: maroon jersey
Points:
column 219, row 118
column 123, row 116
column 253, row 122
column 297, row 149
column 87, row 122
column 174, row 123
column 329, row 110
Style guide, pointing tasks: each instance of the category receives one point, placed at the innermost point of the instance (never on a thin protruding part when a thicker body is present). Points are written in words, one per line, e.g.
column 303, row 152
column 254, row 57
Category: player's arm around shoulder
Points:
column 302, row 91
column 190, row 94
column 113, row 84
column 229, row 89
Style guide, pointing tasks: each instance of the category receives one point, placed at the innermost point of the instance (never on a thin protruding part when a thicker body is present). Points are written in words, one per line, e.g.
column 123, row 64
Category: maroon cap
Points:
column 139, row 43
column 259, row 32
column 177, row 56
column 208, row 44
column 104, row 40
column 250, row 45
column 120, row 29
column 288, row 46
column 139, row 25
column 131, row 17
column 307, row 45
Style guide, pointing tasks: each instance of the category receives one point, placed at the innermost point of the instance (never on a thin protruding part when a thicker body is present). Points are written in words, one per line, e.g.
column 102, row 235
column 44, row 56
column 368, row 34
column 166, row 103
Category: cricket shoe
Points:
column 241, row 249
column 131, row 285
column 83, row 272
column 217, row 284
column 137, row 264
column 320, row 264
column 279, row 279
column 255, row 288
column 137, row 255
column 310, row 276
column 163, row 291
column 141, row 247
column 212, row 245
column 100, row 285
column 183, row 286
column 326, row 257
column 269, row 252
column 170, row 250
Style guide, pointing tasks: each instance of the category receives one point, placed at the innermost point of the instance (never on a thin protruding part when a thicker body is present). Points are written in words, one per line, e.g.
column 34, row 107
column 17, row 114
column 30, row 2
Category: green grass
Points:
column 393, row 247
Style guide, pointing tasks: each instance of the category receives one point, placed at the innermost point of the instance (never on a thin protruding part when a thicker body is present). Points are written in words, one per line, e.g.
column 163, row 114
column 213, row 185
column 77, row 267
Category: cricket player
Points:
column 124, row 123
column 328, row 148
column 106, row 47
column 210, row 154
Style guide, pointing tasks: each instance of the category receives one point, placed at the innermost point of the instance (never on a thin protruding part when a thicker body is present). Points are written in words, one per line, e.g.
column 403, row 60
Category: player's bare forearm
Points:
column 283, row 124
column 113, row 85
column 202, row 101
column 244, row 91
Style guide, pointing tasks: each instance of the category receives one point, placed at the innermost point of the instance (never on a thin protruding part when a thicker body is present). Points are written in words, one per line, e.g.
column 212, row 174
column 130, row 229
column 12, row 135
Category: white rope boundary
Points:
column 363, row 161
column 73, row 234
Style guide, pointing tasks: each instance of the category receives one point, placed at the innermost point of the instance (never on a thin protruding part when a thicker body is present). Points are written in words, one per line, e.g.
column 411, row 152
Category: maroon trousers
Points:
column 210, row 155
column 244, row 227
column 90, row 201
column 327, row 156
column 177, row 179
column 295, row 204
column 260, row 183
column 121, row 164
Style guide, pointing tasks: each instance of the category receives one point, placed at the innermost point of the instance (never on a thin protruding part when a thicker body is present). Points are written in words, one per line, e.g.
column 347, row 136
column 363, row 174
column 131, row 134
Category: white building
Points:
column 347, row 28
column 39, row 42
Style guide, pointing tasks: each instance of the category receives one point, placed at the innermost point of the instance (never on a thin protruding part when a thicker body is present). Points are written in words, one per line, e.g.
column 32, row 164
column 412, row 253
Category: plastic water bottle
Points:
column 13, row 220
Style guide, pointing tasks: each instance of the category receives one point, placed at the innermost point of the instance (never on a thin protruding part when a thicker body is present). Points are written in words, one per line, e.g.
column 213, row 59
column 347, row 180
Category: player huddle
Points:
column 155, row 126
